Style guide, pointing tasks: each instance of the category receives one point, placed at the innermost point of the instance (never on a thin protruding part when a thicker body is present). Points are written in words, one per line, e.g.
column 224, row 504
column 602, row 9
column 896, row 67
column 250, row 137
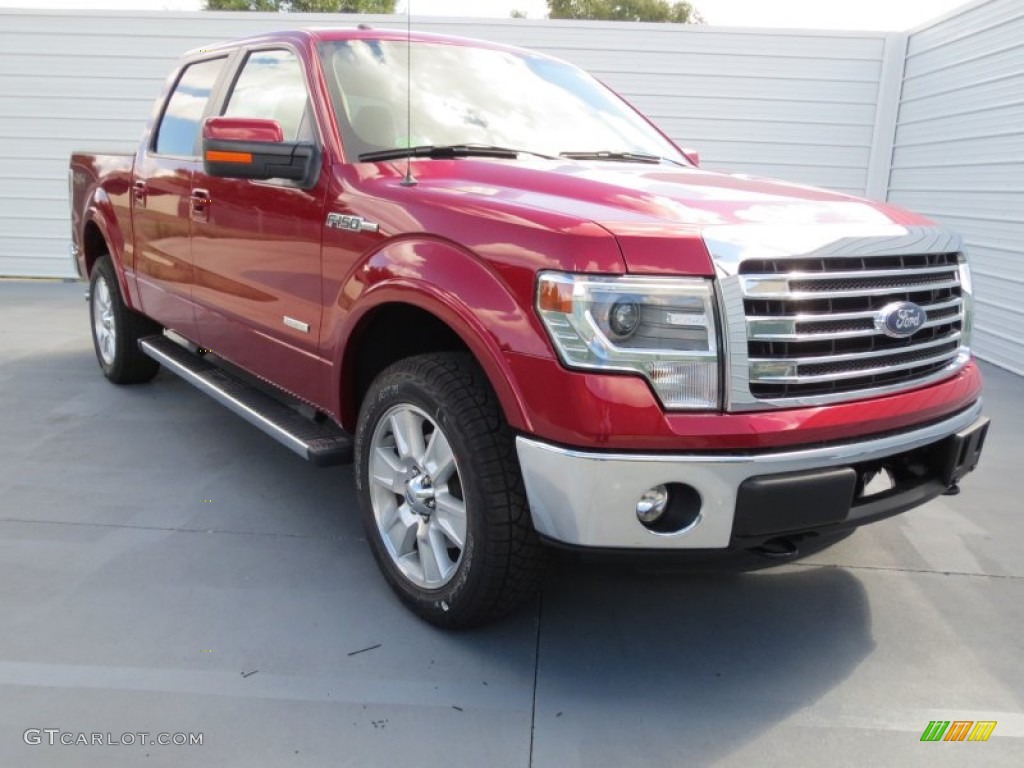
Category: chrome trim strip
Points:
column 809, row 317
column 788, row 324
column 73, row 254
column 800, row 378
column 587, row 498
column 853, row 357
column 298, row 325
column 757, row 288
column 852, row 274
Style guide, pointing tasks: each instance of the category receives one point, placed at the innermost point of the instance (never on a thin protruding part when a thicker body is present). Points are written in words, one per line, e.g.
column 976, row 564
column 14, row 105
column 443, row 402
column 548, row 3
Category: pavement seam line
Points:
column 536, row 671
column 892, row 569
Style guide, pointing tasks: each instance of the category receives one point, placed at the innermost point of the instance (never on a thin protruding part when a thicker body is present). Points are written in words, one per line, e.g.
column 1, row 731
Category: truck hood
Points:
column 661, row 214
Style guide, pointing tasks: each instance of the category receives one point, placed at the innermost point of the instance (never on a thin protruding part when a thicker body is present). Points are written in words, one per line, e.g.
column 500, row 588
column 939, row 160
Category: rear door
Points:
column 256, row 246
column 161, row 199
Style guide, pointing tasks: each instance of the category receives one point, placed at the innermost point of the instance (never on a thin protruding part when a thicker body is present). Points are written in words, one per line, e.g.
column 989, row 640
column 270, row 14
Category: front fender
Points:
column 471, row 297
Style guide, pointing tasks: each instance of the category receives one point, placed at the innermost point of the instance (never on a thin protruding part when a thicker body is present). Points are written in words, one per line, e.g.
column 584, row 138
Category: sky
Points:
column 889, row 15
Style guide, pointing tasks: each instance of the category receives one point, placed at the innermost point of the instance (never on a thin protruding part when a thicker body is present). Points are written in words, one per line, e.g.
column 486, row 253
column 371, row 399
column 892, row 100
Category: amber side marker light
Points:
column 555, row 297
column 216, row 156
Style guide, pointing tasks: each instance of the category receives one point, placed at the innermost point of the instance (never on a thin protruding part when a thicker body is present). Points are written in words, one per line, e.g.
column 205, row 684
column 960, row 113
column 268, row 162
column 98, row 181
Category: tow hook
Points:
column 777, row 549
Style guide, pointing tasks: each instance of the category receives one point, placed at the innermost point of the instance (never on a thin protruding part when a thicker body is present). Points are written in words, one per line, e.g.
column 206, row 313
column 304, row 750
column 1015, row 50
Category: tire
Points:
column 453, row 536
column 116, row 329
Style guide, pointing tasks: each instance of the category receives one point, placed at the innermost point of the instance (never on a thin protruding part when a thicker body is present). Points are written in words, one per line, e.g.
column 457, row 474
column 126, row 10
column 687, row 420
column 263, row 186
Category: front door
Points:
column 256, row 244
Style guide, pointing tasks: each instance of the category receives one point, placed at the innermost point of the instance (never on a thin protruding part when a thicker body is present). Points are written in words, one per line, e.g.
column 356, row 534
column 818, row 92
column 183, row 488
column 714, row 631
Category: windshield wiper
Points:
column 447, row 151
column 629, row 157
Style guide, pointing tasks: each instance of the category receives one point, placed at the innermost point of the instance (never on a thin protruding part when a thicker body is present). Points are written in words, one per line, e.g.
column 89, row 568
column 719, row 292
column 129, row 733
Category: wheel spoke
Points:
column 450, row 517
column 402, row 532
column 438, row 459
column 104, row 326
column 433, row 556
column 386, row 470
column 407, row 427
column 412, row 474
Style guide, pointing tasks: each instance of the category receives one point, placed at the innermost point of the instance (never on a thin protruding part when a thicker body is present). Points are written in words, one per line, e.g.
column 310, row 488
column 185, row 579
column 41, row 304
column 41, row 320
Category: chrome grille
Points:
column 810, row 322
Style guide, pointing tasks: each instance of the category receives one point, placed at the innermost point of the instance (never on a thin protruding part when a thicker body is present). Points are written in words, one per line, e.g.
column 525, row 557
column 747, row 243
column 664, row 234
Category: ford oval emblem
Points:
column 900, row 319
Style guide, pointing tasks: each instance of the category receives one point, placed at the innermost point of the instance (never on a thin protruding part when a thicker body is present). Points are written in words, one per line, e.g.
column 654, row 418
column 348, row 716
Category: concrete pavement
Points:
column 164, row 567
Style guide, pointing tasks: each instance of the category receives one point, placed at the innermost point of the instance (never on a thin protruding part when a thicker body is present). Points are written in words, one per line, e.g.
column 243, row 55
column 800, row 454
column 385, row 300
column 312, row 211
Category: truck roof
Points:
column 315, row 35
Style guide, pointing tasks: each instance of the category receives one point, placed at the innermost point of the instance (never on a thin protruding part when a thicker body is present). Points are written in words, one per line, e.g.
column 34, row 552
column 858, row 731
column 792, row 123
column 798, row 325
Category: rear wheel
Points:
column 116, row 329
column 441, row 492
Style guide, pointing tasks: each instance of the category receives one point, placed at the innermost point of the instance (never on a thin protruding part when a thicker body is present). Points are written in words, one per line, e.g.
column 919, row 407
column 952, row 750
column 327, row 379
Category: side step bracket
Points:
column 322, row 444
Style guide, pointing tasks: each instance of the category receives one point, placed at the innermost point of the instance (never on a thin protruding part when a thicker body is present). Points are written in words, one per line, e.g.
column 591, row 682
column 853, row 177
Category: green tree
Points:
column 680, row 12
column 304, row 6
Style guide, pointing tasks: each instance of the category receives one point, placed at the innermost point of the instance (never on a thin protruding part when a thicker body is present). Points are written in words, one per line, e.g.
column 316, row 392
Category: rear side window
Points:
column 271, row 86
column 179, row 127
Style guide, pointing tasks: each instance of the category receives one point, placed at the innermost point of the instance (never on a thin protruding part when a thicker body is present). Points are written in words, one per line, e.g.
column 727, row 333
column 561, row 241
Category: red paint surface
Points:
column 465, row 243
column 242, row 129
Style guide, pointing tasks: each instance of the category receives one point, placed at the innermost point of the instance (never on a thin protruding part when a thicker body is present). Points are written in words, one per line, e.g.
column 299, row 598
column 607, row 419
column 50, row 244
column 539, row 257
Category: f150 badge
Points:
column 900, row 319
column 350, row 223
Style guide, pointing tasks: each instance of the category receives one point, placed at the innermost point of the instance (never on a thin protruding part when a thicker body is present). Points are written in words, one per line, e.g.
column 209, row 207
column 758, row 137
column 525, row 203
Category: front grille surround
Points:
column 801, row 329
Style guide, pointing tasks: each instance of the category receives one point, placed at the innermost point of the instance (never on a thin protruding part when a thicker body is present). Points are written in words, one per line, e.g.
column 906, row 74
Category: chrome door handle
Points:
column 200, row 202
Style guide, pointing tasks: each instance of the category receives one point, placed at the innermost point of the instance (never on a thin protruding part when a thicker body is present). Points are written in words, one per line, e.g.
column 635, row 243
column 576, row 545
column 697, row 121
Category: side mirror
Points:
column 252, row 148
column 692, row 155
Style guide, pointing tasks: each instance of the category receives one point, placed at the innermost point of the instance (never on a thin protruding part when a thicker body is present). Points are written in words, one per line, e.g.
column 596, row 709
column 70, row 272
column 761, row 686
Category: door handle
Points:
column 200, row 202
column 139, row 192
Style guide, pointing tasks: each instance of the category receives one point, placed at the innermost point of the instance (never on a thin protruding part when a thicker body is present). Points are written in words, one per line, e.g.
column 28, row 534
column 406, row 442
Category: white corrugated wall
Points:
column 958, row 156
column 933, row 120
column 800, row 105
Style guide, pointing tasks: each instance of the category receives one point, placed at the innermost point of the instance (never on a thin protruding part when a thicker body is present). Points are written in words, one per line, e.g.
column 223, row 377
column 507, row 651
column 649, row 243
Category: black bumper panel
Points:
column 817, row 501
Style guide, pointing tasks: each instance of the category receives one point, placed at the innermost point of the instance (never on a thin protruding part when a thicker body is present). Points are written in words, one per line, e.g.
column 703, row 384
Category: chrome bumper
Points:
column 588, row 499
column 73, row 255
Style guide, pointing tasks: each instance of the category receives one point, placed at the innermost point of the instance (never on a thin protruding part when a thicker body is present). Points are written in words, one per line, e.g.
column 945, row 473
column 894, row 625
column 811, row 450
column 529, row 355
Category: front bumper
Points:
column 588, row 498
column 75, row 261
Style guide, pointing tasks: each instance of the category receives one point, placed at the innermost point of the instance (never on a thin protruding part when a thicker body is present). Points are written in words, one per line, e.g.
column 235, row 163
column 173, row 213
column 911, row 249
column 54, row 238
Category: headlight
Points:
column 967, row 294
column 661, row 328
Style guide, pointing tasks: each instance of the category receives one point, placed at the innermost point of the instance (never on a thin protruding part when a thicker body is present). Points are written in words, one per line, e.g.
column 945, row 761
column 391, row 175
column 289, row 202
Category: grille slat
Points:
column 803, row 288
column 811, row 323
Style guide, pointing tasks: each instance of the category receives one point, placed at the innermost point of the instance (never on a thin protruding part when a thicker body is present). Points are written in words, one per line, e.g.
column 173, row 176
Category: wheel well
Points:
column 93, row 245
column 390, row 333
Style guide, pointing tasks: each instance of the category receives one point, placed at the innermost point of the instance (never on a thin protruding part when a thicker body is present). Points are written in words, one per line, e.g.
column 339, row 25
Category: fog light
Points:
column 652, row 504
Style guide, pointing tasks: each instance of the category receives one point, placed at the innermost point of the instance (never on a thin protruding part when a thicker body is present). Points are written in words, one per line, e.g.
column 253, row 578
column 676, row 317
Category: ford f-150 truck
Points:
column 523, row 313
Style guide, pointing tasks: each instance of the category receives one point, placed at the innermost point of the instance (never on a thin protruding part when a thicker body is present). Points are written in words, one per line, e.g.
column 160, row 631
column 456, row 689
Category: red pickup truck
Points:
column 523, row 313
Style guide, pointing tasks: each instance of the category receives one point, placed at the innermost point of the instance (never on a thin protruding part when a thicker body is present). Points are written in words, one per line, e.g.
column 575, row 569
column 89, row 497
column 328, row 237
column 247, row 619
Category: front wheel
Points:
column 116, row 329
column 442, row 494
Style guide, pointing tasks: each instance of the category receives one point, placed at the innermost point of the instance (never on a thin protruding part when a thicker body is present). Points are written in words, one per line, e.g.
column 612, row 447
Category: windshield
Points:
column 464, row 95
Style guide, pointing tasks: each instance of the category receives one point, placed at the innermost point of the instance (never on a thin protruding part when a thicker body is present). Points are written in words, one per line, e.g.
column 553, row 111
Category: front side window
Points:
column 179, row 126
column 272, row 86
column 466, row 95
